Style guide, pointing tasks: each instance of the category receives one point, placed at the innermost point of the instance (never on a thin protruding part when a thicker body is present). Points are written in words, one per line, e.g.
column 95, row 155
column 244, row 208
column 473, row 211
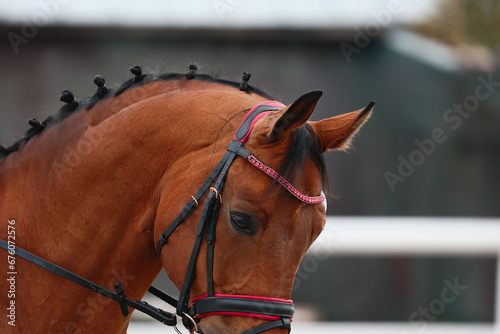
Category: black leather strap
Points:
column 156, row 313
column 163, row 296
column 191, row 205
column 243, row 305
column 211, row 247
column 237, row 148
column 283, row 322
column 182, row 306
column 245, row 125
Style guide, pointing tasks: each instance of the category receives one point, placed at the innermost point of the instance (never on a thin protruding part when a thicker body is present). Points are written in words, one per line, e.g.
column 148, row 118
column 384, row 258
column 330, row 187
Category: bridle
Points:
column 277, row 311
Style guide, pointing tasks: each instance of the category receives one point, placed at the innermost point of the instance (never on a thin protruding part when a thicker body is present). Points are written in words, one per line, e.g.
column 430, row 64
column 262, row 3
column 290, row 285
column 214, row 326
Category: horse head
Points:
column 262, row 232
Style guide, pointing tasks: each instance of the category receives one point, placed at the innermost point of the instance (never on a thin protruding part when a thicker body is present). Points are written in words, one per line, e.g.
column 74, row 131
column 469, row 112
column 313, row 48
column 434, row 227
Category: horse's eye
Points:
column 240, row 222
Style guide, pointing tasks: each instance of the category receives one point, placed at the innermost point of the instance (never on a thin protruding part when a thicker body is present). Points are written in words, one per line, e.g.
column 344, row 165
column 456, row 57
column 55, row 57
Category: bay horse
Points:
column 96, row 188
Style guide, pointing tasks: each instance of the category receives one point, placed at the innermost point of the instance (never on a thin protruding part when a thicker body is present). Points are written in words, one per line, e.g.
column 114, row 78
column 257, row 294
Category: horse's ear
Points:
column 295, row 115
column 337, row 132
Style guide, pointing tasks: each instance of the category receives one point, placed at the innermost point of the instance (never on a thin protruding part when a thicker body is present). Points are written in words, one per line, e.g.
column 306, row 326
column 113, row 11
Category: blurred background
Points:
column 425, row 167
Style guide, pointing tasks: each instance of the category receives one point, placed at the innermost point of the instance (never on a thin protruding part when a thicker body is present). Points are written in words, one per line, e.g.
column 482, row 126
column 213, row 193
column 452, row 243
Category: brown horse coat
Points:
column 94, row 192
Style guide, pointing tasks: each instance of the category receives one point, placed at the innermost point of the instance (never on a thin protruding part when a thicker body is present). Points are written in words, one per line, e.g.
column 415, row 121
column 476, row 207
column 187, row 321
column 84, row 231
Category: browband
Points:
column 241, row 137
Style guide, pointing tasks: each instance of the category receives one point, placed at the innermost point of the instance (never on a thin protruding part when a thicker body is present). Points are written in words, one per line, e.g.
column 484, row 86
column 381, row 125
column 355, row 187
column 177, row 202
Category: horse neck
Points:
column 91, row 185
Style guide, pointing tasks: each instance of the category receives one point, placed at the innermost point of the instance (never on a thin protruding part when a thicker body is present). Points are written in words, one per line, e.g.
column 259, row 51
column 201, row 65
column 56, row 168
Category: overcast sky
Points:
column 215, row 13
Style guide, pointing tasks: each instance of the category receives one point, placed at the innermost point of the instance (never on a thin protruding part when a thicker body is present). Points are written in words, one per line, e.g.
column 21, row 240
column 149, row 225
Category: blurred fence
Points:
column 421, row 270
column 401, row 236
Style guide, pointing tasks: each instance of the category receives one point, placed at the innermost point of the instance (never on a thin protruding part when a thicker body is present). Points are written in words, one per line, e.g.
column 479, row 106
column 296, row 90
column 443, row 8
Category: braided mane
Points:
column 72, row 105
column 303, row 145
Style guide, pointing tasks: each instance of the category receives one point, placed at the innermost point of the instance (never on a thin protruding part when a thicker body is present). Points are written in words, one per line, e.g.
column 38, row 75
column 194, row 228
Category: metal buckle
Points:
column 195, row 201
column 195, row 325
column 217, row 195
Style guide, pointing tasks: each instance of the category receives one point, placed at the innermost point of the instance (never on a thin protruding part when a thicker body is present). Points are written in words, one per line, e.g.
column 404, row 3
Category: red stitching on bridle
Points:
column 239, row 313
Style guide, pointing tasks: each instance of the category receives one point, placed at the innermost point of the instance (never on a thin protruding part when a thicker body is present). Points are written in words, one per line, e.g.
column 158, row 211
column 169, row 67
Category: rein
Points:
column 277, row 311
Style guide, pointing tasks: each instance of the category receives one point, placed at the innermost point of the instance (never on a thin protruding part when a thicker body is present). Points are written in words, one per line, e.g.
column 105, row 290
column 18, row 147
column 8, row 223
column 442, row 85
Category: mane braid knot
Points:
column 68, row 98
column 137, row 71
column 35, row 124
column 102, row 90
column 192, row 71
column 244, row 83
column 36, row 127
